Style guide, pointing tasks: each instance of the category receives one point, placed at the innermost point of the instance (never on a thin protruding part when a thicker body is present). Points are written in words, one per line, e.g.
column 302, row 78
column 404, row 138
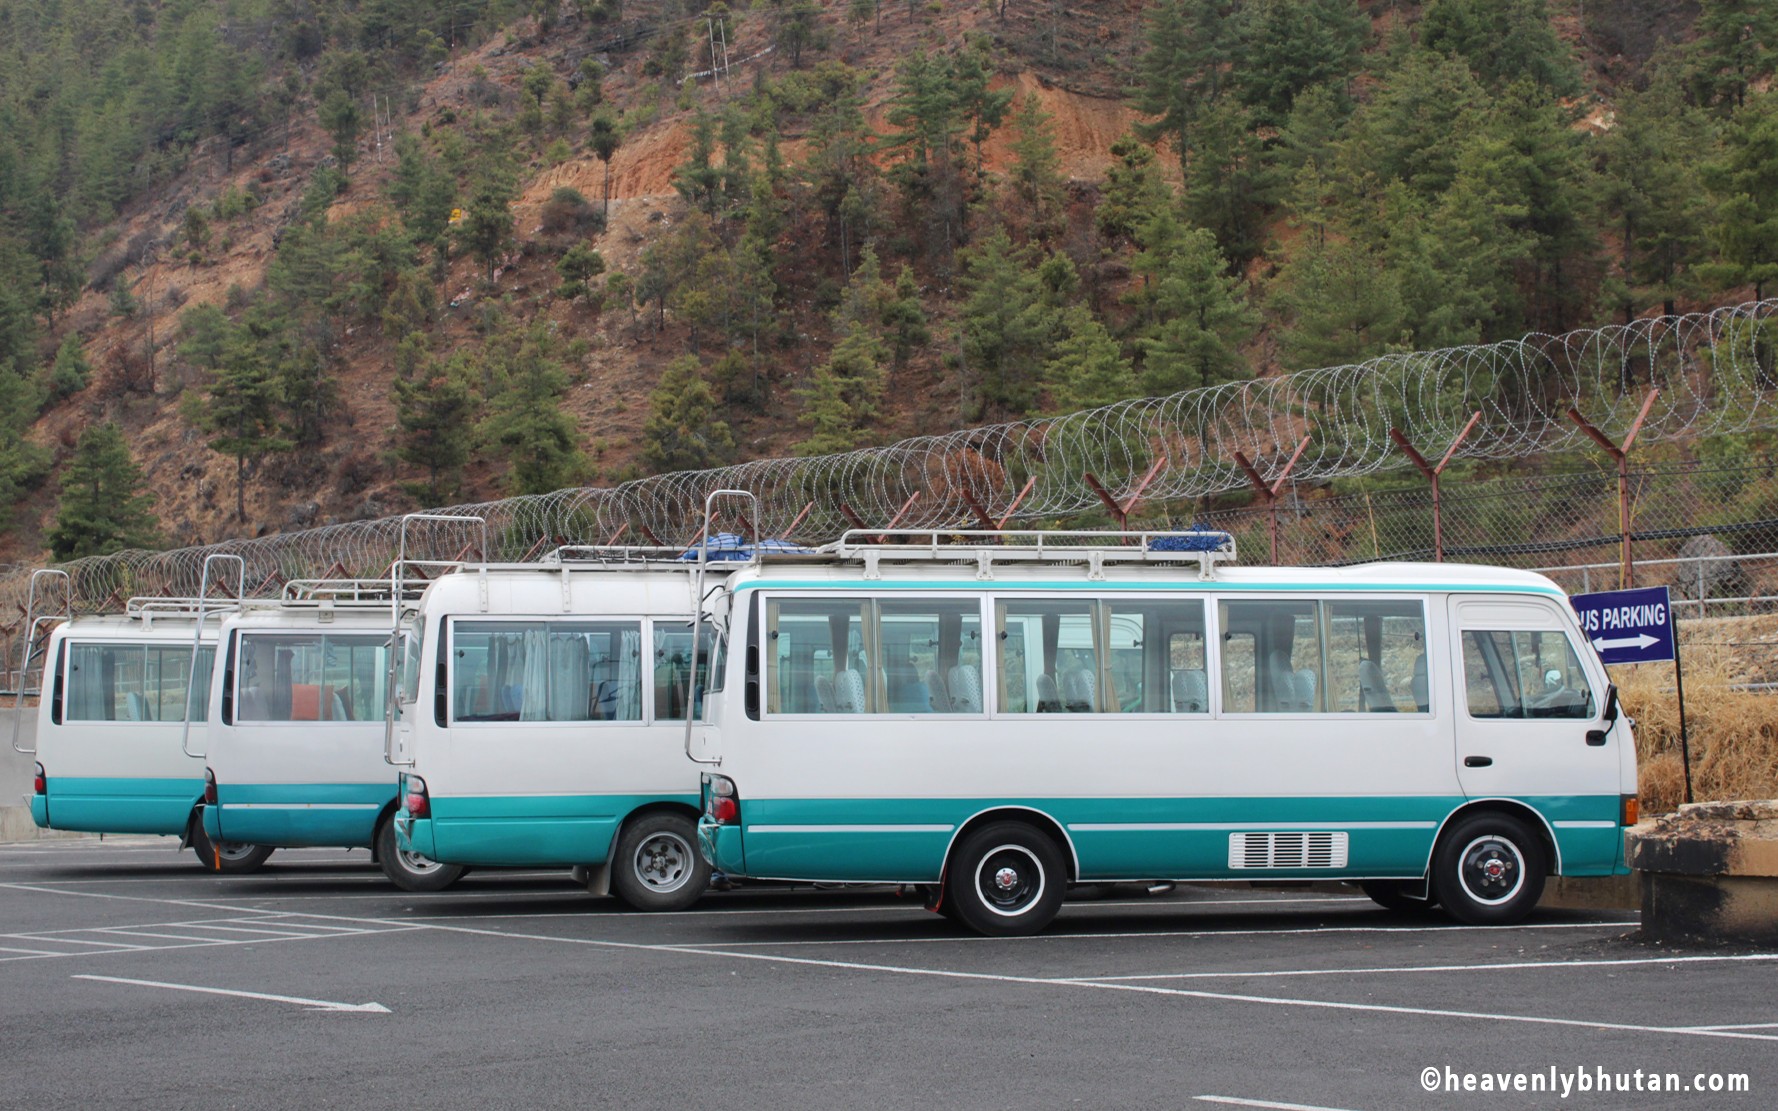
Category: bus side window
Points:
column 1524, row 674
column 1284, row 673
column 1373, row 650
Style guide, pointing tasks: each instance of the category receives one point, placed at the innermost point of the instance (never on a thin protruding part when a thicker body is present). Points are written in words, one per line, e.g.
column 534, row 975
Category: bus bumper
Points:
column 40, row 810
column 212, row 816
column 721, row 846
column 414, row 835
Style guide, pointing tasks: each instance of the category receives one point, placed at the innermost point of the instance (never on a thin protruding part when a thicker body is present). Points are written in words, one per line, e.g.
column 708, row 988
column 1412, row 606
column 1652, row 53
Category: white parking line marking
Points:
column 1502, row 966
column 974, row 939
column 1233, row 1101
column 1736, row 1026
column 311, row 1004
column 1148, row 989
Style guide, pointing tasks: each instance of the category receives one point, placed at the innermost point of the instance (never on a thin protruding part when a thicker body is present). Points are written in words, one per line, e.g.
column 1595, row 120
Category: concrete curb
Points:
column 16, row 826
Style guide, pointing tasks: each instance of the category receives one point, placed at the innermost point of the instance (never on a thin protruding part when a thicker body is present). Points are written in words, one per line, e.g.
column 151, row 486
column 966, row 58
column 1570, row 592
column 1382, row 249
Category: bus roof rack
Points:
column 148, row 608
column 612, row 554
column 348, row 593
column 985, row 547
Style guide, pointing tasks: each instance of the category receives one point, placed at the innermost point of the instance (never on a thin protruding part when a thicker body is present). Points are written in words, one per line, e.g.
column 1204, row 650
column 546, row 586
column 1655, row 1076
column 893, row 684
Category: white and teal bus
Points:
column 114, row 751
column 998, row 716
column 548, row 722
column 294, row 751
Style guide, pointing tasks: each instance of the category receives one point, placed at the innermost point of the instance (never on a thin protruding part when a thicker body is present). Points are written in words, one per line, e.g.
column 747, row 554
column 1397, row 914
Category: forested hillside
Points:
column 266, row 264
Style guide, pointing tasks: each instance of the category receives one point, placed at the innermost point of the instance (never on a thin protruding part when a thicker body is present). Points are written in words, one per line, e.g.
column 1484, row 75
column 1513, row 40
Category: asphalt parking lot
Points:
column 128, row 977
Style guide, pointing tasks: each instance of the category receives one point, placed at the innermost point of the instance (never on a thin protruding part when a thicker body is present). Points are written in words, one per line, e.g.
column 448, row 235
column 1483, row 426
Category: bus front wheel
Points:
column 1489, row 870
column 411, row 871
column 657, row 866
column 1006, row 880
column 234, row 857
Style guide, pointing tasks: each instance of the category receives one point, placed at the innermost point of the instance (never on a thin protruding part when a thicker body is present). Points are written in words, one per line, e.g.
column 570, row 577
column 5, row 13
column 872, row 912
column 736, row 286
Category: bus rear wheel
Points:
column 657, row 866
column 234, row 857
column 1006, row 880
column 409, row 870
column 1489, row 870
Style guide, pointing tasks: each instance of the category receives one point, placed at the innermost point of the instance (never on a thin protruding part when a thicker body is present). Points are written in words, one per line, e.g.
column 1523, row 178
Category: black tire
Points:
column 1395, row 895
column 656, row 864
column 1006, row 880
column 411, row 871
column 1489, row 870
column 232, row 857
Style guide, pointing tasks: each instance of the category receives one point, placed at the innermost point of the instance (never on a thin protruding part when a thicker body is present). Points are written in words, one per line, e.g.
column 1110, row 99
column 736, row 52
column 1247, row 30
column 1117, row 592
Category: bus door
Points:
column 1528, row 714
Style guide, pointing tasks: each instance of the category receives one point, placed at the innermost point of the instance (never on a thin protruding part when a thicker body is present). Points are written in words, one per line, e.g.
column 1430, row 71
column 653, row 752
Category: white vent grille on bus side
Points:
column 1287, row 850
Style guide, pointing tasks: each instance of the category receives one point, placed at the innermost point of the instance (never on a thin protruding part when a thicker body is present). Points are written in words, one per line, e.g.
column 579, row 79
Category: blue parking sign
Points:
column 1627, row 626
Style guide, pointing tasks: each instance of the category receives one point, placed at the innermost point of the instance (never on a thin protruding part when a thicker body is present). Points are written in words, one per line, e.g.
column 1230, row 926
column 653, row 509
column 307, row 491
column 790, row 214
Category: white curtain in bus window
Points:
column 819, row 654
column 1154, row 657
column 134, row 682
column 546, row 671
column 672, row 663
column 311, row 677
column 1271, row 657
column 931, row 653
column 1049, row 658
column 1375, row 651
column 1524, row 674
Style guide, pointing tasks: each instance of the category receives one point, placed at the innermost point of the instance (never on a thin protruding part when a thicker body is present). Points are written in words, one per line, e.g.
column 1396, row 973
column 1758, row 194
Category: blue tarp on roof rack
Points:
column 1205, row 540
column 728, row 546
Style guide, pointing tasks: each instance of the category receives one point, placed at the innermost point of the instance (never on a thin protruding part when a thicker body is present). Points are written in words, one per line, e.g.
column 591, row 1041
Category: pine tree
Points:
column 1743, row 181
column 1737, row 44
column 435, row 415
column 1650, row 183
column 1503, row 41
column 1133, row 191
column 682, row 432
column 70, row 371
column 1293, row 45
column 342, row 120
column 605, row 138
column 525, row 418
column 1230, row 182
column 22, row 463
column 1198, row 314
column 1338, row 306
column 972, row 73
column 1035, row 175
column 486, row 229
column 1008, row 322
column 1191, row 47
column 242, row 409
column 103, row 507
column 904, row 318
column 1087, row 369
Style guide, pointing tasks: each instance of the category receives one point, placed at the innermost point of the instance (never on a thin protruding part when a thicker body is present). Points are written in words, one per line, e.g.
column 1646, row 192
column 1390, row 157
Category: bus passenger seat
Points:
column 1422, row 694
column 848, row 692
column 1191, row 692
column 1373, row 689
column 1078, row 690
column 1049, row 700
column 824, row 694
column 966, row 689
column 1283, row 684
column 137, row 706
column 1305, row 689
column 941, row 702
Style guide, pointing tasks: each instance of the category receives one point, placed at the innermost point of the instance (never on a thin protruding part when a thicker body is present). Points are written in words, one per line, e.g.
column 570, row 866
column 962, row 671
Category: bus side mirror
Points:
column 1610, row 702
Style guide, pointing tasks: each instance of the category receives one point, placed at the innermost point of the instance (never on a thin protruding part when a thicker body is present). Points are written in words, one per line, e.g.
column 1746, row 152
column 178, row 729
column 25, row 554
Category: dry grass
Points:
column 1733, row 734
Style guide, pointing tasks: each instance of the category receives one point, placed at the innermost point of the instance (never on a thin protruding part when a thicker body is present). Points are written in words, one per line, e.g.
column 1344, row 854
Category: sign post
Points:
column 1635, row 627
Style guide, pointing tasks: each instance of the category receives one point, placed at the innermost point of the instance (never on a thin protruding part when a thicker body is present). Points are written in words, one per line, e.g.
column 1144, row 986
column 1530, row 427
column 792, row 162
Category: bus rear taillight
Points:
column 38, row 784
column 724, row 808
column 414, row 797
column 209, row 787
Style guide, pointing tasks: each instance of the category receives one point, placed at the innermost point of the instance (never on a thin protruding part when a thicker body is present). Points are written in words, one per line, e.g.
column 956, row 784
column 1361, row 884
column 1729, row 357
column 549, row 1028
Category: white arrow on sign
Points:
column 1639, row 641
column 312, row 1004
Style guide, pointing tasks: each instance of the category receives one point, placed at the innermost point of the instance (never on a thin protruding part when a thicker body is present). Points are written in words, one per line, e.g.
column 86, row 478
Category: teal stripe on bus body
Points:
column 534, row 831
column 299, row 815
column 40, row 811
column 96, row 804
column 1129, row 838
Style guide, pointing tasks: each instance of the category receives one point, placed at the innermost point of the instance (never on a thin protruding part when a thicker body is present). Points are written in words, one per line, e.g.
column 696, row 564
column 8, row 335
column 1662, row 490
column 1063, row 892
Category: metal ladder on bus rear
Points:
column 34, row 621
